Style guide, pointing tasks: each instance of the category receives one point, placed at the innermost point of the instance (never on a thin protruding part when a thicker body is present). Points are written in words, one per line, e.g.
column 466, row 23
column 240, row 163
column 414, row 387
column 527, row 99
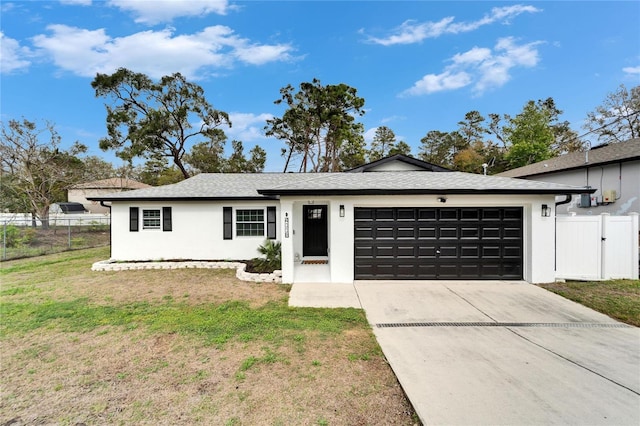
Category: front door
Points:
column 314, row 231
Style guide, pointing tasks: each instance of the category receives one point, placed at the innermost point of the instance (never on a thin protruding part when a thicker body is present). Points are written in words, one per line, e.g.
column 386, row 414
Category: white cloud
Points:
column 76, row 2
column 13, row 57
column 392, row 118
column 155, row 53
column 631, row 70
column 369, row 135
column 154, row 12
column 482, row 68
column 247, row 127
column 410, row 31
column 432, row 83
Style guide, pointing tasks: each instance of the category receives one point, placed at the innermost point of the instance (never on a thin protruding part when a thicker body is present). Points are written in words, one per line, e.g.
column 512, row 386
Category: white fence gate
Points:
column 597, row 247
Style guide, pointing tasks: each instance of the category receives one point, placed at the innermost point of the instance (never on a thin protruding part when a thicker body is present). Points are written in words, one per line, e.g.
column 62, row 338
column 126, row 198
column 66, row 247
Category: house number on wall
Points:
column 286, row 225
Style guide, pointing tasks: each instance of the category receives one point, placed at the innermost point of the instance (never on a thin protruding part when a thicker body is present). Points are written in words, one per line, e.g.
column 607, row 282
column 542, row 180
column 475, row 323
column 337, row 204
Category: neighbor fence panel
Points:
column 23, row 237
column 597, row 247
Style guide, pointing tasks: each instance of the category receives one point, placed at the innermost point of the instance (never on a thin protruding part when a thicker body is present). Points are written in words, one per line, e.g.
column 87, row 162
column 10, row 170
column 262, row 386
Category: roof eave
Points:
column 426, row 191
column 582, row 166
column 254, row 198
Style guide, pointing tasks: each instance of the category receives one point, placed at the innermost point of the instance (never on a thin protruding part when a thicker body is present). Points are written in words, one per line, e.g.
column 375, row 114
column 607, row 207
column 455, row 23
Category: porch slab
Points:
column 324, row 295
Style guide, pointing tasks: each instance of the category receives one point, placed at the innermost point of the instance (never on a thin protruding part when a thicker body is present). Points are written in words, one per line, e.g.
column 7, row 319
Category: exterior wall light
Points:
column 442, row 199
column 546, row 210
column 341, row 210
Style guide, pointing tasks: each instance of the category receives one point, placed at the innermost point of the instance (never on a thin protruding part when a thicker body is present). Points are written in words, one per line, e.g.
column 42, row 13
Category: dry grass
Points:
column 300, row 371
column 620, row 299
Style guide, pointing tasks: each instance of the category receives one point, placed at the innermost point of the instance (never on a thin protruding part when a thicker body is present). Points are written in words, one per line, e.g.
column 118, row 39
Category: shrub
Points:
column 271, row 260
column 17, row 237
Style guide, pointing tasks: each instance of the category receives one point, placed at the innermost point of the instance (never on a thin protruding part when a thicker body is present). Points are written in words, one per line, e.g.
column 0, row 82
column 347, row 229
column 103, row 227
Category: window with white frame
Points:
column 250, row 222
column 151, row 219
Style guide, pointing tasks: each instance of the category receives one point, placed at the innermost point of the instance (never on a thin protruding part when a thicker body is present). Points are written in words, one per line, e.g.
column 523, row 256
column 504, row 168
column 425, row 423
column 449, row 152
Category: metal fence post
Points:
column 69, row 230
column 4, row 240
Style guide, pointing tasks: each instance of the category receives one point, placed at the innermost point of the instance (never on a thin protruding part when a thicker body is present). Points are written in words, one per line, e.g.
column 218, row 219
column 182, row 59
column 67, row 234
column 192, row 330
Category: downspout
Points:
column 555, row 230
column 110, row 227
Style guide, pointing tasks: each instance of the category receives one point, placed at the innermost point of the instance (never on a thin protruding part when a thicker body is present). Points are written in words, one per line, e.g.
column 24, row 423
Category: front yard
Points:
column 181, row 347
column 620, row 299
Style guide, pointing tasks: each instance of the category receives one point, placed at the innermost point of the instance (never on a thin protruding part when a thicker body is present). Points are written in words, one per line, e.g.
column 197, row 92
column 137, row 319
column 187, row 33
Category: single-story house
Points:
column 612, row 169
column 81, row 192
column 395, row 219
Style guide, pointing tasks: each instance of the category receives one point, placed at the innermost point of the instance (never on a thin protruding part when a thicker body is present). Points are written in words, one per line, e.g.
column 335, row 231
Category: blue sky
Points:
column 420, row 65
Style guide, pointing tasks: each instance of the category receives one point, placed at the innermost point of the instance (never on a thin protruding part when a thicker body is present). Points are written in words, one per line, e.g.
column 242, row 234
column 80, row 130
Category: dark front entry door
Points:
column 314, row 230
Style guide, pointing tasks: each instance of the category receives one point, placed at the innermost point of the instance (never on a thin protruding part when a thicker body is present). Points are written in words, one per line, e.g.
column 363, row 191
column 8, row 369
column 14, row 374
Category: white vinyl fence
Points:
column 597, row 247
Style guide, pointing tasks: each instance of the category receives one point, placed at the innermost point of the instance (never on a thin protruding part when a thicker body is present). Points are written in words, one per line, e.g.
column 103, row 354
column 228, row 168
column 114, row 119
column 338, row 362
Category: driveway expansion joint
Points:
column 506, row 324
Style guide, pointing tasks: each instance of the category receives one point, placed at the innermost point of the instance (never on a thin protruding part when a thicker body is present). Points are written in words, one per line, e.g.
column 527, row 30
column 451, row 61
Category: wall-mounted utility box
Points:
column 585, row 200
column 609, row 196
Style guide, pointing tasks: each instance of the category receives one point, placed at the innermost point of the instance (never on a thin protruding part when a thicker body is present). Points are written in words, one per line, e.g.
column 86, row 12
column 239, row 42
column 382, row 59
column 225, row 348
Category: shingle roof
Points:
column 228, row 186
column 612, row 153
column 417, row 182
column 209, row 186
column 429, row 167
column 115, row 183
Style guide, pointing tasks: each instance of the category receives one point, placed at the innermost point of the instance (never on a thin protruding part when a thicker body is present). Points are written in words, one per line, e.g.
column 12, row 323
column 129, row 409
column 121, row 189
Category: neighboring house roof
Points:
column 112, row 183
column 245, row 186
column 428, row 167
column 600, row 155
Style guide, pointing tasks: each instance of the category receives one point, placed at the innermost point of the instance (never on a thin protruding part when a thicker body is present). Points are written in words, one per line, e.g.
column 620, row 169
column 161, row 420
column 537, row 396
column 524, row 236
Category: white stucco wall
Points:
column 197, row 232
column 624, row 178
column 538, row 232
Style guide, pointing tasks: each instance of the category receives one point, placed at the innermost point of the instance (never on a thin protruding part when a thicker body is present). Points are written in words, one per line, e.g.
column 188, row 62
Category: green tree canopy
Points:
column 535, row 134
column 149, row 119
column 384, row 141
column 318, row 125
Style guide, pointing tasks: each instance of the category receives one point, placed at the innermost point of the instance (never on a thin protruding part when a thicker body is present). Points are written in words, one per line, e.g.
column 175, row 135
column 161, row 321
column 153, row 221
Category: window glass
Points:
column 151, row 219
column 250, row 223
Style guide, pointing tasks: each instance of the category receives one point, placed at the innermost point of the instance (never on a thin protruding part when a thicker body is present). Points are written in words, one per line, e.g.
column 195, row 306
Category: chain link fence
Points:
column 24, row 237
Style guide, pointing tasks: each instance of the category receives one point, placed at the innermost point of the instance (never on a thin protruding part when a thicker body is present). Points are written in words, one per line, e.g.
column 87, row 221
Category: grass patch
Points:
column 619, row 299
column 193, row 344
column 216, row 324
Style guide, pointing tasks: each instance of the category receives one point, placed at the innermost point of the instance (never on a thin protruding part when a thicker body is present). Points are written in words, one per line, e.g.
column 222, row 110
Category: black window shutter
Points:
column 133, row 219
column 271, row 223
column 166, row 219
column 227, row 217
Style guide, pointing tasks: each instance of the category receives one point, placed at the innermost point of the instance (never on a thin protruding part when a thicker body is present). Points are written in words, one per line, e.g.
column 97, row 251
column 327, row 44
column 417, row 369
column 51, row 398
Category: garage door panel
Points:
column 448, row 252
column 425, row 232
column 438, row 243
column 470, row 252
column 385, row 252
column 406, row 233
column 384, row 233
column 467, row 232
column 449, row 232
column 406, row 215
column 427, row 252
column 511, row 252
column 407, row 253
column 426, row 215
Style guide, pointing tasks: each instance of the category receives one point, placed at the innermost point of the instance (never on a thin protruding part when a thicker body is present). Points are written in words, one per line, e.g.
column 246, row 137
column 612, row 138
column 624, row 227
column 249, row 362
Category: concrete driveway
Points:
column 504, row 353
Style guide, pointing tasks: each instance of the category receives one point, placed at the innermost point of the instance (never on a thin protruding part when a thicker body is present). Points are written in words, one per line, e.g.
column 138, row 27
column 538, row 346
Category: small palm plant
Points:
column 272, row 258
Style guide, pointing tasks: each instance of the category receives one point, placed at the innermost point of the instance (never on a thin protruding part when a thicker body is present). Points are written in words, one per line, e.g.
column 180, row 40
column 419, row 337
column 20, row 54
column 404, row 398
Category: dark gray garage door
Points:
column 438, row 243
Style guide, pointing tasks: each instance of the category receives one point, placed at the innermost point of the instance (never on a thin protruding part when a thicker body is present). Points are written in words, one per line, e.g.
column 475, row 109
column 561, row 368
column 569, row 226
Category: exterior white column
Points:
column 542, row 244
column 286, row 238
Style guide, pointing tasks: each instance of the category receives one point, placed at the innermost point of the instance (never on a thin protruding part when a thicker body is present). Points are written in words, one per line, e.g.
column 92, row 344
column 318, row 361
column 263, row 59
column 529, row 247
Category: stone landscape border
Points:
column 241, row 273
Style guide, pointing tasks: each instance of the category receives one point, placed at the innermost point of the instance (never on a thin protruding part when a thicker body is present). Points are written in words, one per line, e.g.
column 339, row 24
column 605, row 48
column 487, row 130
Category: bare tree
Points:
column 34, row 168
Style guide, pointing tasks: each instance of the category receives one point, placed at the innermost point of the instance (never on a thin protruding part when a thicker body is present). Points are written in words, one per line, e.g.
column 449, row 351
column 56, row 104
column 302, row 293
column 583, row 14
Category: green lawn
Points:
column 189, row 346
column 619, row 299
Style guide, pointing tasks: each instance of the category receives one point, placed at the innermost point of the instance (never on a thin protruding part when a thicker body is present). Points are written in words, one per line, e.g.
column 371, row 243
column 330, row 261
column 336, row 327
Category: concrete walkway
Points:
column 499, row 352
